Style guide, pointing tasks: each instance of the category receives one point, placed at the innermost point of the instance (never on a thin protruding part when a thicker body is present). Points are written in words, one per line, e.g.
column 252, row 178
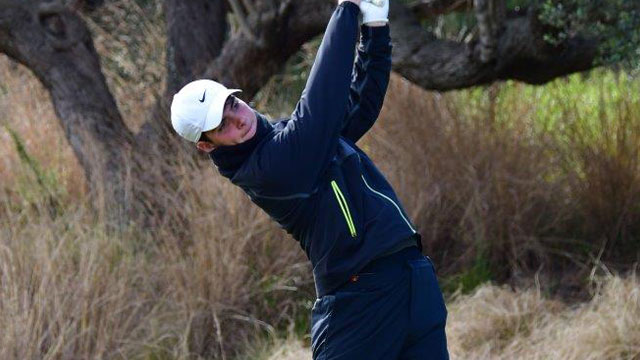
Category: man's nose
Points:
column 237, row 122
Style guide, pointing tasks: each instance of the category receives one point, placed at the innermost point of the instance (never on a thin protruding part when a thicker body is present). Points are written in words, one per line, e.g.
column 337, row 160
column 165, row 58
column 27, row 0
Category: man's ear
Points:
column 205, row 146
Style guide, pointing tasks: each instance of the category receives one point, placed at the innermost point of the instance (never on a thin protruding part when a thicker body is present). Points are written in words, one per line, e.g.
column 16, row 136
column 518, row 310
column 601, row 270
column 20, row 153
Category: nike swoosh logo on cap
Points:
column 203, row 95
column 378, row 3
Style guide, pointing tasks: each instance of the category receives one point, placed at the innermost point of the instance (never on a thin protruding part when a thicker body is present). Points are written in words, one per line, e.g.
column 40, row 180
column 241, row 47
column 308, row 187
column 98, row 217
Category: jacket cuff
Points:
column 349, row 3
column 374, row 32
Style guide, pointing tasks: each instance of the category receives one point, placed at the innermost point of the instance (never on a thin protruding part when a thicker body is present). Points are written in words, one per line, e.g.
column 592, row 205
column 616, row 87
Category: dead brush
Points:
column 602, row 158
column 487, row 322
column 499, row 323
column 69, row 291
column 503, row 188
column 130, row 38
column 239, row 276
column 477, row 185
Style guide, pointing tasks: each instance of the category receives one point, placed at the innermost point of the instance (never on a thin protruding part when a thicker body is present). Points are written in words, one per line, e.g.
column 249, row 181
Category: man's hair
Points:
column 227, row 102
column 204, row 138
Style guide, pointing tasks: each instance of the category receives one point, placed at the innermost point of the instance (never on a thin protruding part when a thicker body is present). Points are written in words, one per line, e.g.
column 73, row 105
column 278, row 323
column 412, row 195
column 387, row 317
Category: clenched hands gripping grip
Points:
column 374, row 11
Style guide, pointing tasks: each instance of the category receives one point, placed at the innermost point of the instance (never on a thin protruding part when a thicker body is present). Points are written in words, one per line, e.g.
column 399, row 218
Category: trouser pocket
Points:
column 320, row 320
column 427, row 306
column 363, row 321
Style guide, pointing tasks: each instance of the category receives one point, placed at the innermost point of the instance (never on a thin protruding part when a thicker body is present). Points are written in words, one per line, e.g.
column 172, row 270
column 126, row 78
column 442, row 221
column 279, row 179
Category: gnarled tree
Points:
column 531, row 43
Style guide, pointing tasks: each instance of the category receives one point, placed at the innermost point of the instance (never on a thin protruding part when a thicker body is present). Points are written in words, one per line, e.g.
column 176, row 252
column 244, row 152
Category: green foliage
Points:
column 469, row 279
column 587, row 95
column 516, row 4
column 591, row 130
column 47, row 188
column 615, row 23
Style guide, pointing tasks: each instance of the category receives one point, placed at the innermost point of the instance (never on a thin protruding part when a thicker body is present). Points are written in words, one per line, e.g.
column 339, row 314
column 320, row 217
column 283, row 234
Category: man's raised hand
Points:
column 357, row 2
column 374, row 12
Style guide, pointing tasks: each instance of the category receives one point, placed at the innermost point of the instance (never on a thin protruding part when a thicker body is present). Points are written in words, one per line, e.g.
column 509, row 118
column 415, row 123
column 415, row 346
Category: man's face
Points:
column 238, row 125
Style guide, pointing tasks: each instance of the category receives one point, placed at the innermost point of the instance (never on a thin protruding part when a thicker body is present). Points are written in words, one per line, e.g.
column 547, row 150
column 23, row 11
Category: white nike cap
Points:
column 198, row 107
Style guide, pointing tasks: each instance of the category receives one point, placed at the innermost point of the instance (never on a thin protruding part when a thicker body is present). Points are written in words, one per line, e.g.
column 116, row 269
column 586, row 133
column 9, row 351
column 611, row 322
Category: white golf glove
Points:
column 374, row 10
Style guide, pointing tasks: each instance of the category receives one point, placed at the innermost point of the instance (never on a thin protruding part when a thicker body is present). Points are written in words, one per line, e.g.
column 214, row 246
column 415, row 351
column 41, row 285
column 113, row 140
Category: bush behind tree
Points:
column 615, row 23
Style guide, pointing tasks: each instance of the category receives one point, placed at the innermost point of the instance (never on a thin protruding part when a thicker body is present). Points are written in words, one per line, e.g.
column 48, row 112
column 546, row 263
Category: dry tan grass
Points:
column 499, row 323
column 26, row 109
column 491, row 179
column 487, row 322
column 68, row 290
column 289, row 348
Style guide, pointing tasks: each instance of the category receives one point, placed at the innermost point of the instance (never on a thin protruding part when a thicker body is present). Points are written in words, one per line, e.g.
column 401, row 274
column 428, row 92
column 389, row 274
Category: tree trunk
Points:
column 56, row 45
column 279, row 30
column 196, row 32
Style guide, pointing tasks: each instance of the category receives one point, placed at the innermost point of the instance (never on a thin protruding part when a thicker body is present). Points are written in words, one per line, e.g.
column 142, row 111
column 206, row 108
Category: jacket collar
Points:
column 228, row 159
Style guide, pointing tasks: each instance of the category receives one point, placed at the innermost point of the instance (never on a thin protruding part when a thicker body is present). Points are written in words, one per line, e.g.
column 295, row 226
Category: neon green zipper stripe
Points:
column 392, row 202
column 343, row 206
column 352, row 227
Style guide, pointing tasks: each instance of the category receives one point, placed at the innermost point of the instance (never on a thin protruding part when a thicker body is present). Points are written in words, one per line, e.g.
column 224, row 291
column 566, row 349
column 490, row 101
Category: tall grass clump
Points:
column 69, row 288
column 69, row 291
column 601, row 147
column 499, row 323
column 507, row 180
column 478, row 185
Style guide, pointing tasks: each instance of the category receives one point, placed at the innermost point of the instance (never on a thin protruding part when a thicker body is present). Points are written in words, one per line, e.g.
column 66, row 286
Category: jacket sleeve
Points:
column 301, row 152
column 370, row 81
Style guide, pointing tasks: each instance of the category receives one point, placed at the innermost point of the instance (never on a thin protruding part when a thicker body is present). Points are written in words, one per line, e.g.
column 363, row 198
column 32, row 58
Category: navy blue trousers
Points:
column 393, row 309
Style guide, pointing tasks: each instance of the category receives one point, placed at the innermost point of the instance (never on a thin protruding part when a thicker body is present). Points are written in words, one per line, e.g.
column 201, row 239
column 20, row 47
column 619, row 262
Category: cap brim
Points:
column 216, row 109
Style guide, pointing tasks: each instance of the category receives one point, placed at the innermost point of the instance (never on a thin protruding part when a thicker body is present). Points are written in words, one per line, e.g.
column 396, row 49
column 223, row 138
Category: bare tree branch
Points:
column 248, row 4
column 486, row 31
column 520, row 53
column 56, row 45
column 197, row 32
column 242, row 21
column 283, row 27
column 84, row 5
column 490, row 15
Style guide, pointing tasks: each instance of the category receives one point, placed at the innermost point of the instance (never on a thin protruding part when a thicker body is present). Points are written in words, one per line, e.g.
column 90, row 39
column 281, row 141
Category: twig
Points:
column 486, row 29
column 251, row 9
column 242, row 20
column 219, row 334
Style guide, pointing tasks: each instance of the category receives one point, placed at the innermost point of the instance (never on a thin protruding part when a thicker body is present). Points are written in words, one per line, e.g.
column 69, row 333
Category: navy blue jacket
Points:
column 307, row 172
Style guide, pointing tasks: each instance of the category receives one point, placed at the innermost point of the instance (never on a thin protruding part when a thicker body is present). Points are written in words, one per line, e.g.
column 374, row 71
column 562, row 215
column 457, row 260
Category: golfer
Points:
column 377, row 295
